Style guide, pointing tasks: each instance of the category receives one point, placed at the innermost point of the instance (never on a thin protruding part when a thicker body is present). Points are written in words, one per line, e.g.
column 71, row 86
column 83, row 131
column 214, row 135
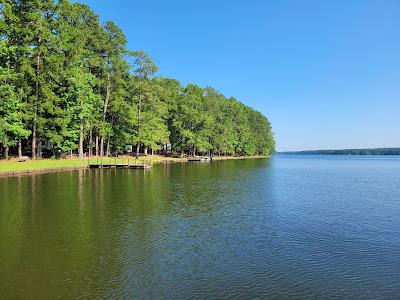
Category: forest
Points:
column 373, row 151
column 70, row 85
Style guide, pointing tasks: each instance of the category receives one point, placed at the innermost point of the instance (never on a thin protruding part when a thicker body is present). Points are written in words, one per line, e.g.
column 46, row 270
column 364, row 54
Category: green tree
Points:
column 11, row 127
column 78, row 99
column 193, row 124
column 67, row 78
column 113, row 67
column 142, row 93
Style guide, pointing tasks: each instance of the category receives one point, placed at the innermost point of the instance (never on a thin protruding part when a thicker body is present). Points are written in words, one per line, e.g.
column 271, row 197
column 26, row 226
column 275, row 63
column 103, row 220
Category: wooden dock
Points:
column 119, row 166
column 199, row 159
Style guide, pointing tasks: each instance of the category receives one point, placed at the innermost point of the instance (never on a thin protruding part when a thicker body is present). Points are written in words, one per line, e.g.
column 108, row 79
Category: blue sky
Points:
column 326, row 73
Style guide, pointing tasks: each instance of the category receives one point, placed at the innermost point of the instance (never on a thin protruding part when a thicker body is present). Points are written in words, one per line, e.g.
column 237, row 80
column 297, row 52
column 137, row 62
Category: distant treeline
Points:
column 375, row 151
column 69, row 84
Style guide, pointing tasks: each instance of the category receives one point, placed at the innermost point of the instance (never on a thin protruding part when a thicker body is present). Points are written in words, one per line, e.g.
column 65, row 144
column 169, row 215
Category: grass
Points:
column 14, row 165
column 40, row 164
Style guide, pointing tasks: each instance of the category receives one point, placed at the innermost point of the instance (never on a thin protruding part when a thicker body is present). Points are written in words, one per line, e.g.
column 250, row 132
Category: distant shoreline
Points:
column 372, row 151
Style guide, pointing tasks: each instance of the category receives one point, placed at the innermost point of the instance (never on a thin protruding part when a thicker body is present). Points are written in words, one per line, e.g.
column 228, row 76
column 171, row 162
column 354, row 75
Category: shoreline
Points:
column 14, row 167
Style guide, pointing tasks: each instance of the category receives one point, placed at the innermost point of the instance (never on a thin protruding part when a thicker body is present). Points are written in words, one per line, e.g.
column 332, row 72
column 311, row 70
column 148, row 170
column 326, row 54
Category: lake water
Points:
column 290, row 227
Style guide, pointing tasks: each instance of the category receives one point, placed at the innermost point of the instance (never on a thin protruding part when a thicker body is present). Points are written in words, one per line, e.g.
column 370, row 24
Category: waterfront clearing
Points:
column 49, row 164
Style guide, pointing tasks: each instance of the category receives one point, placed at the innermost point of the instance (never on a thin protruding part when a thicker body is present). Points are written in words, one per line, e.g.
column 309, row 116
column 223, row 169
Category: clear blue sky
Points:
column 326, row 73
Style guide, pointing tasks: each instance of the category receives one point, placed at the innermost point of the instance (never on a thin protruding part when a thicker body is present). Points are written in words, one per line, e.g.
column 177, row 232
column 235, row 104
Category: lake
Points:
column 289, row 227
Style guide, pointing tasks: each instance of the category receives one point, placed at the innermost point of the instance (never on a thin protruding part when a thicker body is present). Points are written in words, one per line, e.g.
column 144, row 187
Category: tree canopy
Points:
column 70, row 80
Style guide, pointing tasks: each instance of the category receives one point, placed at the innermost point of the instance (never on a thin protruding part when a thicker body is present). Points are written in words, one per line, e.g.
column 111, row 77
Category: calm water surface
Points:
column 292, row 227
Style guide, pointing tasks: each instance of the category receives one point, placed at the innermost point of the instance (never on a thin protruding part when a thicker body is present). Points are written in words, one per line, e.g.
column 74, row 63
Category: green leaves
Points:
column 11, row 105
column 67, row 78
column 144, row 67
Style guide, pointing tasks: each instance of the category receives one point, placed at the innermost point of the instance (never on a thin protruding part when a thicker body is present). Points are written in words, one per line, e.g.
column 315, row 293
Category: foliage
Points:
column 69, row 79
column 373, row 151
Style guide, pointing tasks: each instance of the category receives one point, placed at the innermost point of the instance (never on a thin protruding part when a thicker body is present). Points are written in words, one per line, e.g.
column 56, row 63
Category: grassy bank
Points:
column 14, row 165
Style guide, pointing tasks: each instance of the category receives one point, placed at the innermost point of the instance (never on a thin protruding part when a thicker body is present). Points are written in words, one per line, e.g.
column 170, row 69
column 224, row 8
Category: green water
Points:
column 281, row 227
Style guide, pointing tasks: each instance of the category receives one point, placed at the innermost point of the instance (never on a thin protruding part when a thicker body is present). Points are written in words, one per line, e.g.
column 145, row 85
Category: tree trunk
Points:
column 39, row 149
column 20, row 120
column 137, row 149
column 138, row 122
column 145, row 150
column 102, row 146
column 34, row 141
column 108, row 147
column 19, row 149
column 97, row 145
column 107, row 100
column 108, row 92
column 90, row 142
column 6, row 151
column 152, row 151
column 35, row 108
column 80, row 147
column 194, row 151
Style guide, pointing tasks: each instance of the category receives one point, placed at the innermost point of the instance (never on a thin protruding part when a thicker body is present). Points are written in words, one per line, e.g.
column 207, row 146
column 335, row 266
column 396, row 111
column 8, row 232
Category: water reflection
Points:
column 112, row 232
column 244, row 229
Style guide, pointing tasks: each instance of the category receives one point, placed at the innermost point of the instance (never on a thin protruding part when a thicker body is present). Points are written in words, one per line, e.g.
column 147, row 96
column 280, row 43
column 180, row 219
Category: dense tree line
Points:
column 373, row 151
column 68, row 79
